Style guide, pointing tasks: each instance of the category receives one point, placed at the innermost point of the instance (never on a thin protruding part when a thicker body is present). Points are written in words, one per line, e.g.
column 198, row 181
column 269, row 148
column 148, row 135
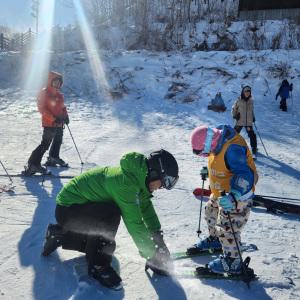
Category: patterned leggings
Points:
column 218, row 223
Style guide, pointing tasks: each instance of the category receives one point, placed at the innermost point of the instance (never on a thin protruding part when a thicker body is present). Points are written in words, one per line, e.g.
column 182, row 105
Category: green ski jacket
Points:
column 125, row 185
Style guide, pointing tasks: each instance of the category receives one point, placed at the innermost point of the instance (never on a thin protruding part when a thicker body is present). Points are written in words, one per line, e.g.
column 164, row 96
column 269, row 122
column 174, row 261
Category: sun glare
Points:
column 91, row 48
column 37, row 65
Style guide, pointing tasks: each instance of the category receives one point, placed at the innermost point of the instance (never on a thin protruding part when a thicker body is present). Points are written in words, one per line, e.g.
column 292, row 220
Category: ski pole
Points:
column 246, row 278
column 292, row 102
column 244, row 270
column 204, row 173
column 6, row 172
column 260, row 139
column 75, row 144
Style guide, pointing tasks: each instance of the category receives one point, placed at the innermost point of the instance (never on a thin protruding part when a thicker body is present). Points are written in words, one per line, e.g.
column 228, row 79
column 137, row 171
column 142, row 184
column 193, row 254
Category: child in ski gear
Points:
column 217, row 104
column 54, row 115
column 90, row 206
column 230, row 169
column 243, row 113
column 284, row 93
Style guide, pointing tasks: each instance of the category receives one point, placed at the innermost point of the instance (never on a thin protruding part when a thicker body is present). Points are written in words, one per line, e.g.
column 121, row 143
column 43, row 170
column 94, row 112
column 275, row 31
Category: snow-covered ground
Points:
column 142, row 119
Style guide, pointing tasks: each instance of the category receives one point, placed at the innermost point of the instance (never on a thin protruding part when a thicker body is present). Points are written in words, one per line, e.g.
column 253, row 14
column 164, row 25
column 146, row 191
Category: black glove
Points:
column 237, row 116
column 66, row 119
column 59, row 119
column 158, row 239
column 160, row 263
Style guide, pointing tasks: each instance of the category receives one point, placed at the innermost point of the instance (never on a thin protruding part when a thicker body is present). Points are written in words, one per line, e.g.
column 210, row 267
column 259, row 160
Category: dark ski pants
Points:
column 52, row 135
column 90, row 228
column 251, row 135
column 283, row 105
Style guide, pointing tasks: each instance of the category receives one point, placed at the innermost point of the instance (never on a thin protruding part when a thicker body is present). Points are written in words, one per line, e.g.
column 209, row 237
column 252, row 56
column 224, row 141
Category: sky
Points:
column 17, row 14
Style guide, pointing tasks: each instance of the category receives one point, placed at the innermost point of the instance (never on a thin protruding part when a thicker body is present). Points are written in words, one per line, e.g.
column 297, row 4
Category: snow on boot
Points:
column 56, row 161
column 32, row 169
column 107, row 276
column 211, row 244
column 226, row 264
column 54, row 237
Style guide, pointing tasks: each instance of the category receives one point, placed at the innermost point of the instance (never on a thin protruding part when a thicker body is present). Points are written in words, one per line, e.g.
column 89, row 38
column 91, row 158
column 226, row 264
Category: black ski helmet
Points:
column 162, row 165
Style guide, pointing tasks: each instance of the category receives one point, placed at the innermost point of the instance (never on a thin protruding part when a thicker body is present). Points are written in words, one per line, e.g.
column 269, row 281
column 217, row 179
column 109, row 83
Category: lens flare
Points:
column 37, row 65
column 91, row 48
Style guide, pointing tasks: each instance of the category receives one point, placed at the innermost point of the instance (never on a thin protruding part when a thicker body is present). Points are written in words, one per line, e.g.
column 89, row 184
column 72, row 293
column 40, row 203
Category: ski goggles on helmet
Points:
column 207, row 145
column 168, row 182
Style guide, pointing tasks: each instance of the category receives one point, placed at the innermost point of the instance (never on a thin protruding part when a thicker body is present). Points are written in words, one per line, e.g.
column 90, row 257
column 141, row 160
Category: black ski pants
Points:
column 52, row 135
column 283, row 105
column 90, row 228
column 251, row 135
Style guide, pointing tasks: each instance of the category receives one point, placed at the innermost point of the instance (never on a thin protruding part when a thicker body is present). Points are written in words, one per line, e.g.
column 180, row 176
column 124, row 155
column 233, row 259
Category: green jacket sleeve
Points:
column 148, row 213
column 134, row 221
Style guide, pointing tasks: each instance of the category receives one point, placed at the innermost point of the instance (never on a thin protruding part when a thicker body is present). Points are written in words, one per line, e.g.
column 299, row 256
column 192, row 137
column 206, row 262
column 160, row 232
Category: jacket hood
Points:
column 51, row 76
column 134, row 165
column 227, row 134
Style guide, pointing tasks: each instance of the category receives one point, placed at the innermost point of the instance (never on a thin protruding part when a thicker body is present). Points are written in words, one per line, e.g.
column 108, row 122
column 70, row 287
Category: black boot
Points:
column 56, row 161
column 54, row 239
column 31, row 169
column 107, row 276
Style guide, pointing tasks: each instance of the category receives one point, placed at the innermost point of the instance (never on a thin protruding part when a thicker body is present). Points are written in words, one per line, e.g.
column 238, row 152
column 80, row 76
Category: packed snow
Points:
column 156, row 100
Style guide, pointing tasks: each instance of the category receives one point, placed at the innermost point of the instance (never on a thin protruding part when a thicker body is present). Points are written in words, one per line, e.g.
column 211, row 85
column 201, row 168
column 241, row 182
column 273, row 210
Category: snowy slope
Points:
column 143, row 120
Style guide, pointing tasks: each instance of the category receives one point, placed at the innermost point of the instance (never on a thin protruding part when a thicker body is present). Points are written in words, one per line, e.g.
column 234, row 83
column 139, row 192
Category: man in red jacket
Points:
column 54, row 115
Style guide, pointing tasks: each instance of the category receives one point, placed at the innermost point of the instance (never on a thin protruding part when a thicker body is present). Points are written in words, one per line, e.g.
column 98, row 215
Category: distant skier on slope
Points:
column 284, row 93
column 54, row 115
column 89, row 208
column 230, row 169
column 243, row 113
column 217, row 104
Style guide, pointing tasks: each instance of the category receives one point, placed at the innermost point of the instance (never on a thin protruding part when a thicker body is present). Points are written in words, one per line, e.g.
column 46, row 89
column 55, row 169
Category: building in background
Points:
column 269, row 9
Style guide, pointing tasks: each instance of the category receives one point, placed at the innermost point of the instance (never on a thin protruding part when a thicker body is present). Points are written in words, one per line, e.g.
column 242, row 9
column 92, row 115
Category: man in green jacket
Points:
column 90, row 206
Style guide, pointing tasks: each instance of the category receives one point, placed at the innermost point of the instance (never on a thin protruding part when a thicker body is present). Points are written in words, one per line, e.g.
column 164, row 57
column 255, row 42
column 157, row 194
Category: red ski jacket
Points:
column 50, row 103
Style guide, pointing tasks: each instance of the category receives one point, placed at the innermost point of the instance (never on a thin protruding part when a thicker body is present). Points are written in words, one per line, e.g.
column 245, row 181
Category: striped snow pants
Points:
column 219, row 226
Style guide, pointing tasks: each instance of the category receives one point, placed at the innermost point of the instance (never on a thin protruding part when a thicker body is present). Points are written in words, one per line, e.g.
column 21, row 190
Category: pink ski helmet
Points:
column 204, row 140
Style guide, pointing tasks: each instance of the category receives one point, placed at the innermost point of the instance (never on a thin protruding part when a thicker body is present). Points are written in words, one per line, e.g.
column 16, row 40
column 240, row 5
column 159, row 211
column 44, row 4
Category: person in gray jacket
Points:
column 243, row 113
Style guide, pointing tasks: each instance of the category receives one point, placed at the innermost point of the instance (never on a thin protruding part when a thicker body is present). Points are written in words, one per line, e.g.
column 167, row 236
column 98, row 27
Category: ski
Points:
column 271, row 203
column 38, row 175
column 276, row 206
column 183, row 255
column 206, row 273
